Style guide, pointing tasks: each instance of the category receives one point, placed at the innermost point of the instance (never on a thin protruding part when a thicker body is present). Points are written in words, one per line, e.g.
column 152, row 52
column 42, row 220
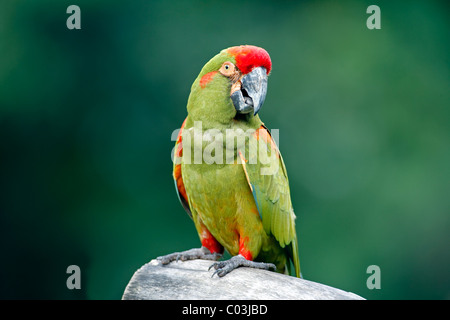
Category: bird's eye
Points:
column 227, row 69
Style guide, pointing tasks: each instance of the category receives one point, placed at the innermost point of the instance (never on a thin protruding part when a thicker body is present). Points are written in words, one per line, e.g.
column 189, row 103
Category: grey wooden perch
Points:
column 191, row 280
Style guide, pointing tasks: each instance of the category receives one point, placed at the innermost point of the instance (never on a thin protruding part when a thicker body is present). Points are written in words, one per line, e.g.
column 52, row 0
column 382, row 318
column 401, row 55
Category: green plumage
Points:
column 270, row 184
column 244, row 200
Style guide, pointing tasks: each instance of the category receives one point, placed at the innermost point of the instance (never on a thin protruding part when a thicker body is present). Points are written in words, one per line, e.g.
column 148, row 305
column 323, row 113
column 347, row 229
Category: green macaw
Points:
column 237, row 194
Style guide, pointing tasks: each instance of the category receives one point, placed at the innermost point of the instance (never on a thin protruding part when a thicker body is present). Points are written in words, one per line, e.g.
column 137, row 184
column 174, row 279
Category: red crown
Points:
column 249, row 57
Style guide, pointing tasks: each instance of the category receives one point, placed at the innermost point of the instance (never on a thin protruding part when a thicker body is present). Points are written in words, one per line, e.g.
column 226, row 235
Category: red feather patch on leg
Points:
column 209, row 242
column 243, row 251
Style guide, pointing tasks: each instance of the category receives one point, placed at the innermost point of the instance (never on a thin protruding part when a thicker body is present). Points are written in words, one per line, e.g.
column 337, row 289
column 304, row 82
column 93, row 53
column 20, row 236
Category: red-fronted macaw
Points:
column 237, row 193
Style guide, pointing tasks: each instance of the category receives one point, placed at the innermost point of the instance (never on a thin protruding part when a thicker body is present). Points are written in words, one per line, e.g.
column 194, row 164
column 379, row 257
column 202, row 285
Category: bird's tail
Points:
column 295, row 258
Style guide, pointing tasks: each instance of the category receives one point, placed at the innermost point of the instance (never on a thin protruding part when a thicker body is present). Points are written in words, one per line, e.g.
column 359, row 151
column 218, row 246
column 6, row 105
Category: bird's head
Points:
column 232, row 83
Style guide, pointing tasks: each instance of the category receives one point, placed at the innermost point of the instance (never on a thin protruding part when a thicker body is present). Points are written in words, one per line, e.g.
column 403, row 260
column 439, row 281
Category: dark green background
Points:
column 86, row 118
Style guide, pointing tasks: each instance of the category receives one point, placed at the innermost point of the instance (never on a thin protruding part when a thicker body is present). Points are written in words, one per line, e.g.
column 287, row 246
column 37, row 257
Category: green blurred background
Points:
column 86, row 118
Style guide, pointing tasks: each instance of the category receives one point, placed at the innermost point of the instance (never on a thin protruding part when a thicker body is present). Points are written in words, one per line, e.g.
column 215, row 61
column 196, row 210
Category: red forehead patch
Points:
column 249, row 57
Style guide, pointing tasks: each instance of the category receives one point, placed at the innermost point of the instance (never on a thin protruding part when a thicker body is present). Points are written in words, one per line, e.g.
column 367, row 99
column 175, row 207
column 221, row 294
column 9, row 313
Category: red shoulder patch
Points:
column 177, row 168
column 248, row 57
column 264, row 134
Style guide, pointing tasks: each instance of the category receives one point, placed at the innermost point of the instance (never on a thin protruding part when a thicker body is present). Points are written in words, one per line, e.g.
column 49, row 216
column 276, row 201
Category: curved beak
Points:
column 252, row 92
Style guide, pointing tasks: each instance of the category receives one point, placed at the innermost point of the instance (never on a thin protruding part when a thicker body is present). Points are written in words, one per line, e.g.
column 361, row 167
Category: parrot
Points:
column 240, row 202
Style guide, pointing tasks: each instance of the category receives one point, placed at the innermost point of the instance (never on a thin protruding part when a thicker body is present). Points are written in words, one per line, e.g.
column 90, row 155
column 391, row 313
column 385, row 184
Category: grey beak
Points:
column 253, row 91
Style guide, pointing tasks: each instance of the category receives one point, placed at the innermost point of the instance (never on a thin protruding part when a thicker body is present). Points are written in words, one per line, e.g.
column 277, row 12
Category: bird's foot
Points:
column 225, row 267
column 192, row 254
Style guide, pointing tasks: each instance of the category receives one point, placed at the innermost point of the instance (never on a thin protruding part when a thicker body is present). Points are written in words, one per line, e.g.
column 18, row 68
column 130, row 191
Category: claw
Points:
column 225, row 267
column 198, row 253
column 215, row 272
column 216, row 265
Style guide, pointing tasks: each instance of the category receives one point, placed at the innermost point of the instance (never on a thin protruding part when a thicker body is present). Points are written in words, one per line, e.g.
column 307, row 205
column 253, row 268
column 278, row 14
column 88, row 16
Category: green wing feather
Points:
column 268, row 180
